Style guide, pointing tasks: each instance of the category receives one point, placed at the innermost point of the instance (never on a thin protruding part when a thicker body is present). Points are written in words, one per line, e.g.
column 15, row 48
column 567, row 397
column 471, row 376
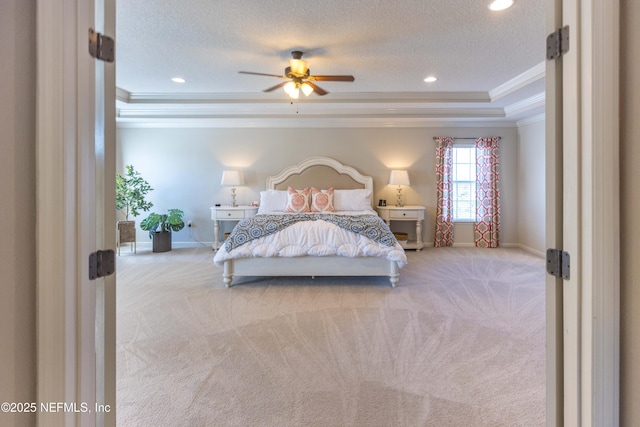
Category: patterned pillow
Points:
column 322, row 200
column 297, row 200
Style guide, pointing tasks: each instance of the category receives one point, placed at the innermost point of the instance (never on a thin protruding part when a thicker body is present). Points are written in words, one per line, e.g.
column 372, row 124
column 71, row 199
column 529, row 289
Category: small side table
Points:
column 228, row 213
column 405, row 213
column 125, row 233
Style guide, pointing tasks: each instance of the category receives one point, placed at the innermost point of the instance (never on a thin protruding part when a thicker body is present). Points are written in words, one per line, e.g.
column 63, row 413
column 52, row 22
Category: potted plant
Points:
column 166, row 223
column 131, row 191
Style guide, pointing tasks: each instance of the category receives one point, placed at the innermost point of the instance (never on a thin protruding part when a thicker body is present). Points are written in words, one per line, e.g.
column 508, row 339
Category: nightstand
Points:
column 228, row 213
column 405, row 213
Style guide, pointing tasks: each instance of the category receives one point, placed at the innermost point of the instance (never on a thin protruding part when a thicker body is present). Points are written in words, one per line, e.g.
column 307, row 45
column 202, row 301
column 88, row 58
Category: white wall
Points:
column 18, row 195
column 184, row 166
column 531, row 186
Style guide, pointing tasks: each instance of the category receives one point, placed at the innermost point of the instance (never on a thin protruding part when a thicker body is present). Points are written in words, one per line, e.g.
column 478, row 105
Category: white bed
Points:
column 369, row 259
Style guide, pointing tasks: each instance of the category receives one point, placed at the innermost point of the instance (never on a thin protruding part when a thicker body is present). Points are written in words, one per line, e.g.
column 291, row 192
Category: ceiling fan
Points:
column 300, row 78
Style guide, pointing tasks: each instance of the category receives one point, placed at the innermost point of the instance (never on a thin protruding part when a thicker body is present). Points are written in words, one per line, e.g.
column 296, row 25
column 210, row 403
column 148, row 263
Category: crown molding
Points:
column 533, row 74
column 123, row 95
column 335, row 122
column 370, row 109
column 294, row 114
column 278, row 98
column 531, row 120
column 535, row 101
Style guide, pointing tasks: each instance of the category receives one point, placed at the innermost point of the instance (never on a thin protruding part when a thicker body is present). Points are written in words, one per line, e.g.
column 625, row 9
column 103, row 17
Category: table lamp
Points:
column 232, row 178
column 399, row 178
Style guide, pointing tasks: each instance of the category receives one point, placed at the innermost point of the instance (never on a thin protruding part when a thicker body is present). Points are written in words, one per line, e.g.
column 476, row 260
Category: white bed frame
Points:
column 310, row 265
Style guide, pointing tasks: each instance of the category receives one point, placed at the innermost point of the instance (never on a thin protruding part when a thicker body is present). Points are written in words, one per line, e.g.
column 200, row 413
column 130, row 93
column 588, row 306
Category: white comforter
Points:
column 313, row 238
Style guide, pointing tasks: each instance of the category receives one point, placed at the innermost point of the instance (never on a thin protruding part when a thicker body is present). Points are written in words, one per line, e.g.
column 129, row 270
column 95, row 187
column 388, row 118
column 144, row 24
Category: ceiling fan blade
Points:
column 332, row 78
column 262, row 74
column 279, row 85
column 317, row 89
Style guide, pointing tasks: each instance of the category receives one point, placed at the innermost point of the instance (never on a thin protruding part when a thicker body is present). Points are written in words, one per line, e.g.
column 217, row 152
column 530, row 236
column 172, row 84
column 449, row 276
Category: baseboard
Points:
column 532, row 251
column 464, row 245
column 505, row 245
column 192, row 244
column 174, row 245
column 147, row 245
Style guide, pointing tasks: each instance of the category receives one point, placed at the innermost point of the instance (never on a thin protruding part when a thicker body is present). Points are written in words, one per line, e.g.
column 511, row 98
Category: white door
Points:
column 76, row 215
column 582, row 214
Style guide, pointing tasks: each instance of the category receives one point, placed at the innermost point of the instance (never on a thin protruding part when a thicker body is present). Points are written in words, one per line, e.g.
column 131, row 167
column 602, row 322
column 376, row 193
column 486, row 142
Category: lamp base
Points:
column 399, row 203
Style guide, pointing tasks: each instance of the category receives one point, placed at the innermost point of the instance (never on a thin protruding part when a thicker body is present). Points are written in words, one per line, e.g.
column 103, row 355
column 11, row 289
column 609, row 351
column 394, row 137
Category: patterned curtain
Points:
column 444, row 191
column 487, row 227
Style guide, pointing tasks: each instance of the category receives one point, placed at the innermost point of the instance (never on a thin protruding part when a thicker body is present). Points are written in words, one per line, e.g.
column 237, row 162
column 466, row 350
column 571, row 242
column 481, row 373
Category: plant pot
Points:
column 162, row 241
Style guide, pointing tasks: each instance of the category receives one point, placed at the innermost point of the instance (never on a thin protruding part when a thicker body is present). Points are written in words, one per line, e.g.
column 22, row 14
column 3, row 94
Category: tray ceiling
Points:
column 490, row 65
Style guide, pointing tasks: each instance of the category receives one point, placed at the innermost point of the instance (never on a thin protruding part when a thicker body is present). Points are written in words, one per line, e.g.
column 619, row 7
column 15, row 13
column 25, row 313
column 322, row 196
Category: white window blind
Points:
column 464, row 183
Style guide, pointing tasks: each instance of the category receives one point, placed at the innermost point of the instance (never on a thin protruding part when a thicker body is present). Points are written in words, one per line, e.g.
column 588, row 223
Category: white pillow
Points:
column 272, row 201
column 352, row 200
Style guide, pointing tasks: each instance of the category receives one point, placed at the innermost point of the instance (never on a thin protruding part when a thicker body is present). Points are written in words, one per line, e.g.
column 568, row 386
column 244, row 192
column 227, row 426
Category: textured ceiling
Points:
column 389, row 46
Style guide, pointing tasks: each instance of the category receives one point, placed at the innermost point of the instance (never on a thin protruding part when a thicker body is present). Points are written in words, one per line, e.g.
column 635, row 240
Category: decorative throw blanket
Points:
column 371, row 226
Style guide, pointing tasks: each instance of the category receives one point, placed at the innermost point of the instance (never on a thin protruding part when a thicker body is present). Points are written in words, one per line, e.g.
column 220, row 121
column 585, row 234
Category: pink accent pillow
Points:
column 322, row 200
column 297, row 200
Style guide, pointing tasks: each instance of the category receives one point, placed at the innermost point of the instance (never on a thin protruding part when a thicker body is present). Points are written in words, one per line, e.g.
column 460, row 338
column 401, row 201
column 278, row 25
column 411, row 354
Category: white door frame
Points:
column 553, row 207
column 600, row 221
column 72, row 209
column 105, row 172
column 589, row 214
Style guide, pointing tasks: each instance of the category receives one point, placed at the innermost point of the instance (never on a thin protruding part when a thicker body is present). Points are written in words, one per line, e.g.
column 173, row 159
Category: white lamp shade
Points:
column 398, row 177
column 306, row 89
column 232, row 178
column 292, row 89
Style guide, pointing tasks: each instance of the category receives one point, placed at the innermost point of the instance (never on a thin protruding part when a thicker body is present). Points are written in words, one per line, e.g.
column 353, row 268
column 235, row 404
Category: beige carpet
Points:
column 460, row 342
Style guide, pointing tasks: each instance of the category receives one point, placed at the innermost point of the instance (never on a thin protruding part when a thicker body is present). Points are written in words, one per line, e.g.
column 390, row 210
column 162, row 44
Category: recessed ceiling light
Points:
column 430, row 79
column 501, row 4
column 178, row 80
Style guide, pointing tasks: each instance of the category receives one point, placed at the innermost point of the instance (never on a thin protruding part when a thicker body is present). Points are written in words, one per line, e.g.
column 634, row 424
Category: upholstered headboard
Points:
column 320, row 172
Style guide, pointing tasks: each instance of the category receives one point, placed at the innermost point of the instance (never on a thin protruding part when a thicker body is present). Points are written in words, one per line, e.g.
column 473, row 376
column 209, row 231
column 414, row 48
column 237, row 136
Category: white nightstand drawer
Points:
column 229, row 214
column 393, row 214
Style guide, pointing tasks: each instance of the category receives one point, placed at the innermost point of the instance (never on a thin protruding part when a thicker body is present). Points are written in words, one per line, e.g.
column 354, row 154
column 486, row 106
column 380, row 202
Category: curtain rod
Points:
column 474, row 138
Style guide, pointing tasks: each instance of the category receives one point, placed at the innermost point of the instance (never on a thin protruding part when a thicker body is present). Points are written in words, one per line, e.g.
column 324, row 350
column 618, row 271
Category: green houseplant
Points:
column 131, row 191
column 160, row 227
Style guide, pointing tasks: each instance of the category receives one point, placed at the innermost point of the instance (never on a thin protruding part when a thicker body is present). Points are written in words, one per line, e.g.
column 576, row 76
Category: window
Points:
column 464, row 183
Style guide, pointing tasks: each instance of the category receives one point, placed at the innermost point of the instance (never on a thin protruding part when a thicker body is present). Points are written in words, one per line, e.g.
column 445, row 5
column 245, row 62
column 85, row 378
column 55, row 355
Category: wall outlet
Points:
column 189, row 224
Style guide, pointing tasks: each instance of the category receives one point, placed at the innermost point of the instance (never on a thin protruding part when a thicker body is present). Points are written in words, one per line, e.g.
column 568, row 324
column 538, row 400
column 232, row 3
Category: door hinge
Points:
column 101, row 264
column 101, row 47
column 558, row 43
column 558, row 263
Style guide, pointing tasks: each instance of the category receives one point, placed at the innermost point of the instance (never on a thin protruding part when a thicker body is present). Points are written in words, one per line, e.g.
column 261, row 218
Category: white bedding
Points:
column 314, row 238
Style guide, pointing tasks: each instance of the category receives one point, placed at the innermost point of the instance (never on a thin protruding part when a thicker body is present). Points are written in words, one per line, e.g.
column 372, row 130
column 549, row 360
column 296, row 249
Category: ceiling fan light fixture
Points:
column 292, row 89
column 306, row 89
column 501, row 4
column 301, row 78
column 298, row 67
